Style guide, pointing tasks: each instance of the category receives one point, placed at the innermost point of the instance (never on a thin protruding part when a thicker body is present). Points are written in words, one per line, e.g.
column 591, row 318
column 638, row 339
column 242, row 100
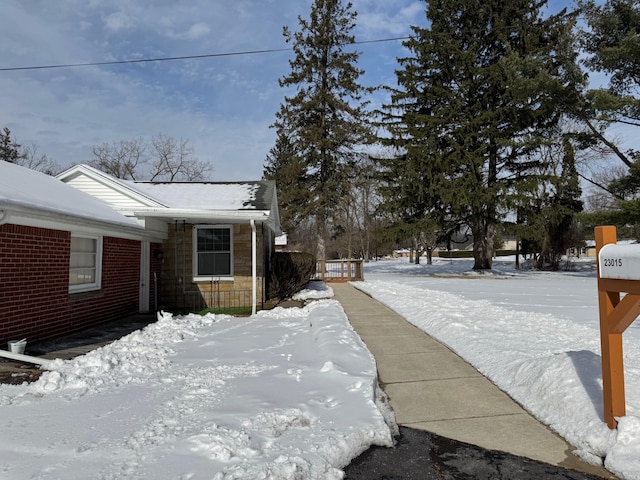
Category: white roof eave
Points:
column 171, row 214
column 51, row 219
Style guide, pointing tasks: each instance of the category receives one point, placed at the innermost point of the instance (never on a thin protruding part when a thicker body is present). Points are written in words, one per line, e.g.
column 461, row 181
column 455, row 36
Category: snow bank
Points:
column 289, row 393
column 315, row 290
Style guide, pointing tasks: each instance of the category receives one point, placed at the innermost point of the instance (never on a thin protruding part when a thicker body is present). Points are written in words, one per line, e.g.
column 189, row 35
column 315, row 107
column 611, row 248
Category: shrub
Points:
column 290, row 273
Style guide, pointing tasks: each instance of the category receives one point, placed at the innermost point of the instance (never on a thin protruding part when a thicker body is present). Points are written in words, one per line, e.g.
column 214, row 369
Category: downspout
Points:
column 43, row 362
column 254, row 276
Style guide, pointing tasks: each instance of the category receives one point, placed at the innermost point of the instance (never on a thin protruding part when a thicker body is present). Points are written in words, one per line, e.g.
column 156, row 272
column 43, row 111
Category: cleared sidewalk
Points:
column 433, row 389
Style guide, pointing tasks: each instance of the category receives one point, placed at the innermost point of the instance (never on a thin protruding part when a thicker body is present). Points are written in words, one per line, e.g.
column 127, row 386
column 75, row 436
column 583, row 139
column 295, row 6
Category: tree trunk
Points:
column 483, row 227
column 429, row 256
column 321, row 252
column 483, row 238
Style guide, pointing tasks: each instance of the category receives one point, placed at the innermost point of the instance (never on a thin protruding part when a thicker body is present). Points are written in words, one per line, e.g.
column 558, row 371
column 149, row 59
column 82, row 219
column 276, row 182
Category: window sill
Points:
column 214, row 280
column 86, row 294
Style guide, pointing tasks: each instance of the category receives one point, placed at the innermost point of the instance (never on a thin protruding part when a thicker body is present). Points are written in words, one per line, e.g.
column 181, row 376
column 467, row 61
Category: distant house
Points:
column 216, row 238
column 67, row 259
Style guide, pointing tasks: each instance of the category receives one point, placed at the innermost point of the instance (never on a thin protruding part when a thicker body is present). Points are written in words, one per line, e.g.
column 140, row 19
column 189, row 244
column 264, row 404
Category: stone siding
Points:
column 178, row 287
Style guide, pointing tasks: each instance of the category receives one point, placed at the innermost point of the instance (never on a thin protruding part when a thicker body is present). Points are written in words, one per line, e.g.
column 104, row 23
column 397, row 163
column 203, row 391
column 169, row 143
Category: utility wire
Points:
column 185, row 57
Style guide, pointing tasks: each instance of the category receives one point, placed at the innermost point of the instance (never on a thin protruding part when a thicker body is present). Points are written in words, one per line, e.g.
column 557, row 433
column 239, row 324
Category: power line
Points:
column 184, row 57
column 142, row 60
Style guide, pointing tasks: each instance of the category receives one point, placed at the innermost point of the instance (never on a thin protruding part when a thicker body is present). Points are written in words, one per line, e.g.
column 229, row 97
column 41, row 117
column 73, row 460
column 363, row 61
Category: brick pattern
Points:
column 34, row 278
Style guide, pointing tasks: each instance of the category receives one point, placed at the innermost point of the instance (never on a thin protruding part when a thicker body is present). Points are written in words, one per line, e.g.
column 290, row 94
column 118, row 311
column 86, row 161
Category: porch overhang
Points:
column 250, row 217
column 171, row 215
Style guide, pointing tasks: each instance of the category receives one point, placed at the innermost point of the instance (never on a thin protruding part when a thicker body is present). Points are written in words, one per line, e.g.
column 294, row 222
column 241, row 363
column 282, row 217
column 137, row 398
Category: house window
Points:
column 84, row 264
column 212, row 252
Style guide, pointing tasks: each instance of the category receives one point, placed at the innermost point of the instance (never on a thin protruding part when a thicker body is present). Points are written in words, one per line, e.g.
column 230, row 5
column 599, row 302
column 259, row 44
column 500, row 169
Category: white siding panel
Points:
column 99, row 190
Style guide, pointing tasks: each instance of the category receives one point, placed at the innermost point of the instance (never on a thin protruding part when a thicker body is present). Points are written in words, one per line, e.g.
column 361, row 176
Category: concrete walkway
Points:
column 433, row 389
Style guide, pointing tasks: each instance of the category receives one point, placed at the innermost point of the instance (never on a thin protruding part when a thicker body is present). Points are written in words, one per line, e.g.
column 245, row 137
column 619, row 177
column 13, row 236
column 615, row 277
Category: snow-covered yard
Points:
column 291, row 393
column 534, row 334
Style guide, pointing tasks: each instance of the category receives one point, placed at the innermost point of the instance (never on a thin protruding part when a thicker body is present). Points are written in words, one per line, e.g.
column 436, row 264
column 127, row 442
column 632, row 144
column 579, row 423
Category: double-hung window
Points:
column 84, row 264
column 213, row 252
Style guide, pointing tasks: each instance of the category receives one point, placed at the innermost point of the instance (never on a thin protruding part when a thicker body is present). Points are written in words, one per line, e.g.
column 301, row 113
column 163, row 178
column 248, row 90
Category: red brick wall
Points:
column 34, row 284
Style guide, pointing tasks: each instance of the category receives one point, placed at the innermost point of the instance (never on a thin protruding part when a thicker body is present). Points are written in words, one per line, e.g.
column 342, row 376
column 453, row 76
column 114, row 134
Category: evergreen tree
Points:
column 289, row 170
column 613, row 45
column 324, row 120
column 409, row 203
column 553, row 221
column 484, row 84
column 9, row 149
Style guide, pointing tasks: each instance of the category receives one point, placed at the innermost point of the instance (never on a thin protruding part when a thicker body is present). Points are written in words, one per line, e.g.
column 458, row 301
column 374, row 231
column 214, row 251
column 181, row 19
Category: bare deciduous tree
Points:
column 121, row 159
column 162, row 159
column 30, row 157
column 175, row 160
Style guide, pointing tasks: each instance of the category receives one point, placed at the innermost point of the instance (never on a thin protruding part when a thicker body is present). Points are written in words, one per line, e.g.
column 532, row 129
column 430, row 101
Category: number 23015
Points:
column 612, row 262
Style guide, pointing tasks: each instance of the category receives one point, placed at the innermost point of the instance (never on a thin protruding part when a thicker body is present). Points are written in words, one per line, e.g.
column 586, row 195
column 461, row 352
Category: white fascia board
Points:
column 29, row 217
column 229, row 216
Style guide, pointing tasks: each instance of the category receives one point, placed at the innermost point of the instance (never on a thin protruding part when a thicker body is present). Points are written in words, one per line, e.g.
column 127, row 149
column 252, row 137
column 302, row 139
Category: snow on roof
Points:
column 33, row 190
column 209, row 195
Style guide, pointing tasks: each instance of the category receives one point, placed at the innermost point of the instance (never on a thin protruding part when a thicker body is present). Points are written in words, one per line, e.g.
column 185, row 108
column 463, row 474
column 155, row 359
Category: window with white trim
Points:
column 84, row 264
column 212, row 252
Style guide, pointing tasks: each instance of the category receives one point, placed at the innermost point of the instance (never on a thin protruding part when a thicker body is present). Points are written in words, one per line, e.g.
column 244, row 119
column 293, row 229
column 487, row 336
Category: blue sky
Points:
column 222, row 105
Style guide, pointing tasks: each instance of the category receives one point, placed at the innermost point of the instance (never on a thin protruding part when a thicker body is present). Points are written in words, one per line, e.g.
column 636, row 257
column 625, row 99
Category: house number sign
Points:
column 620, row 261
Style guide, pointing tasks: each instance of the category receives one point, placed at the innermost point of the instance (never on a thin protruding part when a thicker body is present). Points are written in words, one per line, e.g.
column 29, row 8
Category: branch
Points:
column 599, row 185
column 609, row 144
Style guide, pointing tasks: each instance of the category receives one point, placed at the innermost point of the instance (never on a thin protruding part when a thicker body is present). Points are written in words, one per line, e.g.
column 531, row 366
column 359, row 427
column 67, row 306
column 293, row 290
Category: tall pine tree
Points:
column 482, row 86
column 612, row 44
column 323, row 121
column 9, row 149
column 289, row 170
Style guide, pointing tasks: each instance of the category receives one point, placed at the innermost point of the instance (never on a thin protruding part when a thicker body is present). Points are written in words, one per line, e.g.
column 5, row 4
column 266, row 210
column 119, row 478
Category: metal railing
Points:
column 339, row 270
column 216, row 301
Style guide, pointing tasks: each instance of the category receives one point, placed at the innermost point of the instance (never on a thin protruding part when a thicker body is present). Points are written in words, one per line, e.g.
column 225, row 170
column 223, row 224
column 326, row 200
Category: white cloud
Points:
column 377, row 20
column 196, row 31
column 118, row 21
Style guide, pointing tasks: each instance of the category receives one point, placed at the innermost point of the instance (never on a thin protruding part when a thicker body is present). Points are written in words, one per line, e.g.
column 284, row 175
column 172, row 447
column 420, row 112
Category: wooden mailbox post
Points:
column 618, row 272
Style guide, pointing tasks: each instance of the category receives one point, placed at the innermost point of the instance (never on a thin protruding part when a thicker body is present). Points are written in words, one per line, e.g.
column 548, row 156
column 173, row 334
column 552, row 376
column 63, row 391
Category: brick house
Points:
column 217, row 238
column 67, row 260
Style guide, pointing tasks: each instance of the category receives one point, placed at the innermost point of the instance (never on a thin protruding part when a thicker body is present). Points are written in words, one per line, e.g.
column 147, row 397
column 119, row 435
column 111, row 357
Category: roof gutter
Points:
column 182, row 214
column 4, row 216
column 26, row 215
